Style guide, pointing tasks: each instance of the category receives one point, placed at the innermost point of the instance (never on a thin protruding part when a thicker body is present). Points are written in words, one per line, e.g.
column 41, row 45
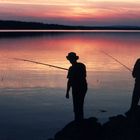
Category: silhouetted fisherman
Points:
column 136, row 91
column 77, row 80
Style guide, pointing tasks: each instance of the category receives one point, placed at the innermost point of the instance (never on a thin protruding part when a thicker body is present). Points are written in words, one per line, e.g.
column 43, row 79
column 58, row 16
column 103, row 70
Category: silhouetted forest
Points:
column 21, row 25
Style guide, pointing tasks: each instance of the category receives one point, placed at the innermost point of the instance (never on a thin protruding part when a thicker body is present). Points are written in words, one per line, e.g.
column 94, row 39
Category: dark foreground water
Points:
column 32, row 97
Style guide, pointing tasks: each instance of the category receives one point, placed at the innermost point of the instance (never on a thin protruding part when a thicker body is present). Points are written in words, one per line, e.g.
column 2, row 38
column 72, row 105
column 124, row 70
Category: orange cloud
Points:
column 88, row 12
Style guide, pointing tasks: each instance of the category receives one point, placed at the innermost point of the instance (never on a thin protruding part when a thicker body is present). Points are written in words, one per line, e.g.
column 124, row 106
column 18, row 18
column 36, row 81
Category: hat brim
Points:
column 72, row 58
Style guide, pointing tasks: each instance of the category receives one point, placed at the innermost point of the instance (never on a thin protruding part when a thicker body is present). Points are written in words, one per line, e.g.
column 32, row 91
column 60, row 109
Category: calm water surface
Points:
column 32, row 97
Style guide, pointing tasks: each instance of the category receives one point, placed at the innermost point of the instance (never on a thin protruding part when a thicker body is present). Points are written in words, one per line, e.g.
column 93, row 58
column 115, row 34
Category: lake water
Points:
column 32, row 96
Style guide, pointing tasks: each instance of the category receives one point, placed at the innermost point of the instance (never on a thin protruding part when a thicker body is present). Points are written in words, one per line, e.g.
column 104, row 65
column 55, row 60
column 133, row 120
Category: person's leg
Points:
column 75, row 104
column 135, row 98
column 81, row 106
column 78, row 103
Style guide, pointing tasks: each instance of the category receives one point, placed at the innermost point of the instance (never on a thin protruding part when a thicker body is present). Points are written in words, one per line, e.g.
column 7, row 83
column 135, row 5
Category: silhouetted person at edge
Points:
column 77, row 81
column 136, row 91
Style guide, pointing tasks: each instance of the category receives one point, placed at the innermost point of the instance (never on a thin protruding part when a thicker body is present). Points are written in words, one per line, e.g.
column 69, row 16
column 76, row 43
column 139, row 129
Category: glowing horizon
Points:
column 80, row 12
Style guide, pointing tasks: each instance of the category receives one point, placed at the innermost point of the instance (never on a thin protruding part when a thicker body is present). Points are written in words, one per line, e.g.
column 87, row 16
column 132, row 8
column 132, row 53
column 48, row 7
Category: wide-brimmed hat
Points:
column 72, row 55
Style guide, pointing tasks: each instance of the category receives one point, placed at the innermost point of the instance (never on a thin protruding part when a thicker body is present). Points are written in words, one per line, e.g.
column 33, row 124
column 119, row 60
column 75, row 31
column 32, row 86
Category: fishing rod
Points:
column 20, row 59
column 116, row 60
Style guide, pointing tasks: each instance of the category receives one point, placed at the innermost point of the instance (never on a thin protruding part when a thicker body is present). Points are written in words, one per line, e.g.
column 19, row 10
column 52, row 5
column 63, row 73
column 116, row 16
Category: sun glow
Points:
column 79, row 12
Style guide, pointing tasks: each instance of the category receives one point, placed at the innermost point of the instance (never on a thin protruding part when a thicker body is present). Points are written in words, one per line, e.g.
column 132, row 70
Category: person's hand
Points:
column 67, row 95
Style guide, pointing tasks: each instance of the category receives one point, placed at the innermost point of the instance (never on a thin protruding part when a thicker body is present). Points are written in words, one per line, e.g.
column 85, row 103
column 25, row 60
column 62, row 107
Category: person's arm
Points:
column 68, row 89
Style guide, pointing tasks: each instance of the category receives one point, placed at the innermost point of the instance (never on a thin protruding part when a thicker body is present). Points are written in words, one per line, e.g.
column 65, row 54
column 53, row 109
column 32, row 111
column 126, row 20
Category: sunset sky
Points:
column 73, row 12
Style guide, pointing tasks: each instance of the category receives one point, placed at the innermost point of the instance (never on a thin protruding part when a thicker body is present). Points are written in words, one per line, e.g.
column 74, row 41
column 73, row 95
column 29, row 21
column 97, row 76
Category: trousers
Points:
column 78, row 95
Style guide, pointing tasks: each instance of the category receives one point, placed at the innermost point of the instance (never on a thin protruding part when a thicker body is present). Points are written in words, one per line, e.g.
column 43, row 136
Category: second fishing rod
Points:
column 116, row 60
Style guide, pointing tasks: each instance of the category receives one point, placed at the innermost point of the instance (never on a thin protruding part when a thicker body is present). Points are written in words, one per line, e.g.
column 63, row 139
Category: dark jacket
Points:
column 77, row 75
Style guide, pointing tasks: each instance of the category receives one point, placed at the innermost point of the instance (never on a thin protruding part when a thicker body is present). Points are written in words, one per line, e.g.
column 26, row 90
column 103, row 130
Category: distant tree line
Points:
column 17, row 25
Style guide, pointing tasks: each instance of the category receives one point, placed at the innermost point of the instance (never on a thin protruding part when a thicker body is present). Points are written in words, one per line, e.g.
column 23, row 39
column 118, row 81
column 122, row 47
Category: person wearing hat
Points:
column 77, row 81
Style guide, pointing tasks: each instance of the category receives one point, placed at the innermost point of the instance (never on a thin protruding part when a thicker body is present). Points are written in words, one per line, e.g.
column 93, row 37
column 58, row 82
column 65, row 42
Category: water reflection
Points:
column 52, row 48
column 33, row 95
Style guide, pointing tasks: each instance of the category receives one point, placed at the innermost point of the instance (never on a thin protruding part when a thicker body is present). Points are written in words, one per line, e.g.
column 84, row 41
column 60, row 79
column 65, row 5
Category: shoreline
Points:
column 69, row 31
column 119, row 127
